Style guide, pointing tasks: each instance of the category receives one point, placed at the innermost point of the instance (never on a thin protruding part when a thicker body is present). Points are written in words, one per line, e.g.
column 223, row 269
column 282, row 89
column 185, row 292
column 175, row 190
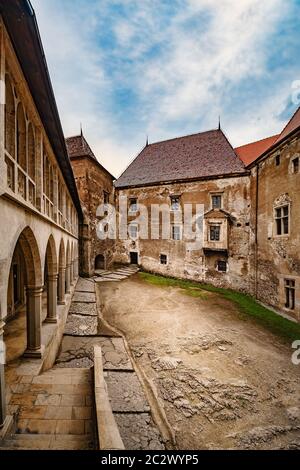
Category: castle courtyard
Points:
column 222, row 380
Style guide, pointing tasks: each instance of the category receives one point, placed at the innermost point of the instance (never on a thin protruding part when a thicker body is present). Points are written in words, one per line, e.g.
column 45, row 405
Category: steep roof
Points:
column 250, row 152
column 78, row 147
column 292, row 125
column 22, row 27
column 192, row 157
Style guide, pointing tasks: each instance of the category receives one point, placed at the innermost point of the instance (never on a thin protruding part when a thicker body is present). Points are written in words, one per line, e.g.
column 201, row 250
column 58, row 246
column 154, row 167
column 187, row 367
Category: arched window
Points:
column 31, row 152
column 9, row 118
column 21, row 137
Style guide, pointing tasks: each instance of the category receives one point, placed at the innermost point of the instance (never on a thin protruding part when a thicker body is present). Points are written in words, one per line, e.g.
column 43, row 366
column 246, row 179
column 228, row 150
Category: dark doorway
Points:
column 134, row 257
column 100, row 262
column 16, row 284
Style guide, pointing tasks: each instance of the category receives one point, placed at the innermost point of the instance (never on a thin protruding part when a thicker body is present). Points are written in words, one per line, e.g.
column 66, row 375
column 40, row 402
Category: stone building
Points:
column 39, row 205
column 200, row 169
column 95, row 187
column 275, row 217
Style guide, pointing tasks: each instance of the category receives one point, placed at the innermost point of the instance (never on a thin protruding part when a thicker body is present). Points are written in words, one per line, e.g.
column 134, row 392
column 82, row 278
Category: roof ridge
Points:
column 184, row 136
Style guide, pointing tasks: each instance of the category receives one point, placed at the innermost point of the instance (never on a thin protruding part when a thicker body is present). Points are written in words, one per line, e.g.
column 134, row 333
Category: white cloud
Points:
column 205, row 50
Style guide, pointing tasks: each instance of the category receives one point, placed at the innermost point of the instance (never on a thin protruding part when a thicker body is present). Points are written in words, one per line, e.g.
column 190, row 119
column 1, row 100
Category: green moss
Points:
column 247, row 305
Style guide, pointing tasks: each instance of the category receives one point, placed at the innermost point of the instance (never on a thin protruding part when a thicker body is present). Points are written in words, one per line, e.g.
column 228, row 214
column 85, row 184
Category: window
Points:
column 105, row 197
column 296, row 165
column 175, row 203
column 133, row 231
column 214, row 233
column 222, row 266
column 290, row 293
column 216, row 201
column 163, row 259
column 176, row 232
column 277, row 160
column 282, row 220
column 133, row 205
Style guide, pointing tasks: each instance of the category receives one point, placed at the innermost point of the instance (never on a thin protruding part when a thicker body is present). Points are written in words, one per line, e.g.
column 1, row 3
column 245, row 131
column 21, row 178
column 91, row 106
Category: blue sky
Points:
column 131, row 68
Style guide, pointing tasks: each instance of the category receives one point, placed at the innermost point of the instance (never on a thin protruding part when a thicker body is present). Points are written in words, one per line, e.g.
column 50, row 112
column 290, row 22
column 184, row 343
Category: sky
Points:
column 128, row 69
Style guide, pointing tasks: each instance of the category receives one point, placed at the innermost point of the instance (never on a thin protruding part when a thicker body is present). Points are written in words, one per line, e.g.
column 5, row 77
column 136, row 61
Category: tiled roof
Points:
column 78, row 147
column 191, row 157
column 250, row 152
column 291, row 126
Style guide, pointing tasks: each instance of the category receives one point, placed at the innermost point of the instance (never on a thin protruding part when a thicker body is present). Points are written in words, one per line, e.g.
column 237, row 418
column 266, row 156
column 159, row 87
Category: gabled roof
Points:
column 79, row 148
column 250, row 152
column 198, row 156
column 20, row 22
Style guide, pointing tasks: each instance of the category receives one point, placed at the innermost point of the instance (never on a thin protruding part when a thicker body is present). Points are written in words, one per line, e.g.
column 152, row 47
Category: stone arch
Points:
column 62, row 254
column 10, row 118
column 26, row 273
column 51, row 276
column 62, row 273
column 21, row 137
column 31, row 152
column 100, row 262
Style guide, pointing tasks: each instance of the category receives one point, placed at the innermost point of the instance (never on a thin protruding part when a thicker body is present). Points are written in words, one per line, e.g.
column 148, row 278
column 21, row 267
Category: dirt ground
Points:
column 223, row 381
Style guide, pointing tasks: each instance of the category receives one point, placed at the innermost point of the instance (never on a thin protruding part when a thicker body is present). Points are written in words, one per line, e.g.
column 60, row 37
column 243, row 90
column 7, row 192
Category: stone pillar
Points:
column 68, row 279
column 72, row 272
column 61, row 286
column 76, row 268
column 34, row 325
column 2, row 377
column 52, row 298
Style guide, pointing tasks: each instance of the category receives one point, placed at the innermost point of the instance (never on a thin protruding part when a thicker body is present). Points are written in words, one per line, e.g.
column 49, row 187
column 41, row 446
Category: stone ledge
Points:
column 108, row 432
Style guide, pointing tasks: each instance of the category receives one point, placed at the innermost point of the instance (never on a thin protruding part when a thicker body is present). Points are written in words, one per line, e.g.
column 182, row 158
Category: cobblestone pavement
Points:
column 222, row 380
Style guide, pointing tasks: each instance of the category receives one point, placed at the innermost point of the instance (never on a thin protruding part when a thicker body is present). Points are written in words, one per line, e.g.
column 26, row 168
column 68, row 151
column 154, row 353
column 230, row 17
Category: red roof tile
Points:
column 250, row 152
column 292, row 125
column 191, row 157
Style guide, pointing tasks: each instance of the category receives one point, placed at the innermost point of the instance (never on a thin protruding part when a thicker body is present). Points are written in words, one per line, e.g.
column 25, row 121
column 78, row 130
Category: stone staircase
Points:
column 55, row 411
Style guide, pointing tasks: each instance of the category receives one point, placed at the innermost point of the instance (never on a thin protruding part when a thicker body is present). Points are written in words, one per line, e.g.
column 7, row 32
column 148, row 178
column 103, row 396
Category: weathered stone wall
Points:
column 277, row 256
column 92, row 181
column 196, row 264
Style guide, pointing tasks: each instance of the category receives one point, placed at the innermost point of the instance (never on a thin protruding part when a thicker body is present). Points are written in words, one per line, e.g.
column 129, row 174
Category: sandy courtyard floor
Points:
column 223, row 381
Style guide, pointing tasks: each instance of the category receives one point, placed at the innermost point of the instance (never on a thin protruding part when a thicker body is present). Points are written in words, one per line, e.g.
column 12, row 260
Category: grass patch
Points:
column 247, row 305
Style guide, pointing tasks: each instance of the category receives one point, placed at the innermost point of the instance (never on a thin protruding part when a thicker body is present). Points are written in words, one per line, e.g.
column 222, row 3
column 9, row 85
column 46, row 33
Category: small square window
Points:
column 214, row 233
column 175, row 203
column 176, row 232
column 296, row 165
column 277, row 160
column 216, row 201
column 163, row 259
column 133, row 205
column 222, row 266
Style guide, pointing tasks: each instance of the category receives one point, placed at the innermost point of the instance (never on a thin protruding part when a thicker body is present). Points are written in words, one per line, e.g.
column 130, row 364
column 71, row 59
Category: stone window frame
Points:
column 177, row 225
column 133, row 207
column 166, row 260
column 221, row 270
column 281, row 206
column 136, row 226
column 212, row 195
column 295, row 159
column 290, row 293
column 177, row 206
column 214, row 225
column 106, row 196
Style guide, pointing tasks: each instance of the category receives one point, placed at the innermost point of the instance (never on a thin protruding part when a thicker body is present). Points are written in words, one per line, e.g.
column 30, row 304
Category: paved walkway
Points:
column 55, row 410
